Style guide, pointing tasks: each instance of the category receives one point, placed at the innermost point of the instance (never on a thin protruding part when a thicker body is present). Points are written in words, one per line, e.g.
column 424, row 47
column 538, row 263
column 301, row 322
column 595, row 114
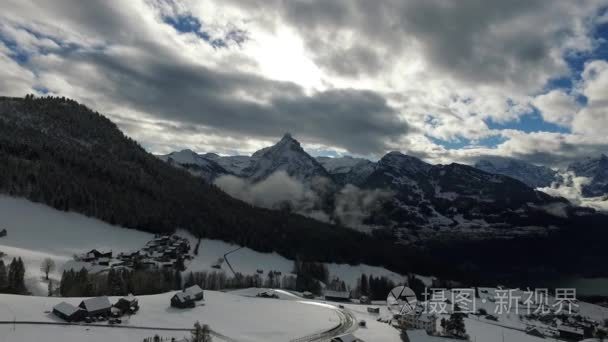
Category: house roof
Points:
column 66, row 308
column 182, row 297
column 97, row 303
column 193, row 290
column 345, row 338
column 570, row 329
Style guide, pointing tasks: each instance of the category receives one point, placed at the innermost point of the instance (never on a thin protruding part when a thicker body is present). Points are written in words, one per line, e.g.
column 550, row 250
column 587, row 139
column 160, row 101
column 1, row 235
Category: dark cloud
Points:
column 476, row 41
column 357, row 120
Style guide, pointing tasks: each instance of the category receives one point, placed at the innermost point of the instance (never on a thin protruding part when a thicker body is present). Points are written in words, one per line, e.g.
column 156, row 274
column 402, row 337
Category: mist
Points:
column 571, row 189
column 349, row 205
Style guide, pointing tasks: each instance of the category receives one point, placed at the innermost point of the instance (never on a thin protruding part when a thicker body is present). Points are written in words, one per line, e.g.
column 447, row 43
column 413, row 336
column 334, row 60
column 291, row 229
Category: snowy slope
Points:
column 36, row 232
column 231, row 315
column 532, row 175
column 248, row 261
column 196, row 164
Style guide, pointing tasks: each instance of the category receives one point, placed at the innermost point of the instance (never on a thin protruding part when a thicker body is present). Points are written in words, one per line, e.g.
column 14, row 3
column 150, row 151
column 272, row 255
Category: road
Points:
column 348, row 323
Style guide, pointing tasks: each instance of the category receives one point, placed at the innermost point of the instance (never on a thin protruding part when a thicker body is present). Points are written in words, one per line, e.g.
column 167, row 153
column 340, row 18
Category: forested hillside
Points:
column 58, row 152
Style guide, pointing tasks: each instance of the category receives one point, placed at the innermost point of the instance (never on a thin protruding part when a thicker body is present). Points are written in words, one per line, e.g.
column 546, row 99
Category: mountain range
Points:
column 457, row 221
column 497, row 197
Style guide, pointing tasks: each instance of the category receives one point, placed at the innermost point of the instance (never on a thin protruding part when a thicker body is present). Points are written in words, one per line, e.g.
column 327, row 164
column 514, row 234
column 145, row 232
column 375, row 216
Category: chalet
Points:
column 98, row 306
column 567, row 332
column 195, row 292
column 3, row 233
column 374, row 310
column 423, row 321
column 337, row 295
column 182, row 300
column 68, row 312
column 128, row 304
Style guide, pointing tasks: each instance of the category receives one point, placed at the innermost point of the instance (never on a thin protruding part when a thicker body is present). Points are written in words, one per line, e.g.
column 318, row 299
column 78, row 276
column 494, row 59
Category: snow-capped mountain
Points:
column 198, row 165
column 233, row 164
column 596, row 170
column 286, row 155
column 533, row 175
column 415, row 196
column 347, row 169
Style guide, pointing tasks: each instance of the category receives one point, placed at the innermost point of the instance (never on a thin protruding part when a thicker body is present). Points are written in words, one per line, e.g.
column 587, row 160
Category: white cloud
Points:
column 572, row 190
column 557, row 107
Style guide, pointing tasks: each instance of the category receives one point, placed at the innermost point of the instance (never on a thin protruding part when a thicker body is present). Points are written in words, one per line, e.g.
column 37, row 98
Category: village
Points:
column 163, row 252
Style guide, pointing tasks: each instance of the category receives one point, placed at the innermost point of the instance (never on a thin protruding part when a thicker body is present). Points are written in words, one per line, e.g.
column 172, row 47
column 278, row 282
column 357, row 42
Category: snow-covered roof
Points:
column 570, row 329
column 193, row 290
column 97, row 303
column 66, row 308
column 345, row 338
column 182, row 296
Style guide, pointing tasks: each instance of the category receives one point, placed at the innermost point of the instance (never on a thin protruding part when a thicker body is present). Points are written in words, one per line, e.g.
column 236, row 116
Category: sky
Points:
column 441, row 80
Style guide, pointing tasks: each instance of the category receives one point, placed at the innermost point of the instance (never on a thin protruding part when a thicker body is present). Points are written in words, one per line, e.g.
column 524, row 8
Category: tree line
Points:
column 12, row 277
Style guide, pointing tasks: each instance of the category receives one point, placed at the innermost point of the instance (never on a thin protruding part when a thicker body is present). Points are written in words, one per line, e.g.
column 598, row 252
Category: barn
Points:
column 182, row 300
column 195, row 292
column 68, row 312
column 98, row 306
column 128, row 304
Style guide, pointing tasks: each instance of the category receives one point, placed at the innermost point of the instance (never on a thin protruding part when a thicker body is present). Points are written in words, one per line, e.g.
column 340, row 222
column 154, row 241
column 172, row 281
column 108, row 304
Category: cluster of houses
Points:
column 164, row 251
column 97, row 309
column 188, row 297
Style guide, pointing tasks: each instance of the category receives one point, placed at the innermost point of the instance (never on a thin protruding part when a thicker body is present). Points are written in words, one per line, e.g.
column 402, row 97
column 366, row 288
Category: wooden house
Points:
column 195, row 292
column 69, row 312
column 128, row 304
column 97, row 306
column 182, row 300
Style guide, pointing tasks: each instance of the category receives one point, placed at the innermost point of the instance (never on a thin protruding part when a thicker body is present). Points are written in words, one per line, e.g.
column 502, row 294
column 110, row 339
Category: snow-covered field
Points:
column 234, row 316
column 36, row 231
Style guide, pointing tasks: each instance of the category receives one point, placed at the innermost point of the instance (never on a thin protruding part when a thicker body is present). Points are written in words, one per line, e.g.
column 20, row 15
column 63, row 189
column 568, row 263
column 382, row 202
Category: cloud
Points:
column 557, row 107
column 354, row 205
column 571, row 189
column 277, row 191
column 350, row 206
column 350, row 76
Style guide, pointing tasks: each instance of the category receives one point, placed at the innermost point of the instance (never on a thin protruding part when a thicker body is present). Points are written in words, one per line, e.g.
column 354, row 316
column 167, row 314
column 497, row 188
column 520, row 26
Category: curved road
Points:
column 347, row 324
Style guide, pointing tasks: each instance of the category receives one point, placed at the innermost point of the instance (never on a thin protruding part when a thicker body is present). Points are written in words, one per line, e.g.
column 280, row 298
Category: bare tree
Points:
column 47, row 266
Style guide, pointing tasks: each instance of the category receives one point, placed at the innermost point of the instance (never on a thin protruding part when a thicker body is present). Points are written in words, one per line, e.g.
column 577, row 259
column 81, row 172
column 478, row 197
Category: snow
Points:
column 248, row 261
column 234, row 316
column 36, row 232
column 60, row 235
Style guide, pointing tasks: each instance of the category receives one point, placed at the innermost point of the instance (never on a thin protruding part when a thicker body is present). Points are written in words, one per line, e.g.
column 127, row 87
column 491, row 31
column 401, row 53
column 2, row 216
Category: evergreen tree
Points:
column 3, row 276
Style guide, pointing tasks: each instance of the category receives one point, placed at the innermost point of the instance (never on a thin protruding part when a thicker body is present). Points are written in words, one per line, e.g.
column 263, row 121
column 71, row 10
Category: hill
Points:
column 58, row 152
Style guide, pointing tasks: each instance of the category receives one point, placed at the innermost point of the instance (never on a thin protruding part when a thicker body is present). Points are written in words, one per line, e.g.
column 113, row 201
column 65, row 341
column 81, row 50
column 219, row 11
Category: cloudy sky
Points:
column 442, row 80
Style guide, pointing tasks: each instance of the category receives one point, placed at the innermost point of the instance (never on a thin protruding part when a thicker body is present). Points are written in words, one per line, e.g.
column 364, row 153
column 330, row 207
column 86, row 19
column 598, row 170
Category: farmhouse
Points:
column 422, row 321
column 365, row 300
column 337, row 295
column 68, row 312
column 195, row 292
column 375, row 310
column 267, row 294
column 98, row 306
column 128, row 304
column 182, row 300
